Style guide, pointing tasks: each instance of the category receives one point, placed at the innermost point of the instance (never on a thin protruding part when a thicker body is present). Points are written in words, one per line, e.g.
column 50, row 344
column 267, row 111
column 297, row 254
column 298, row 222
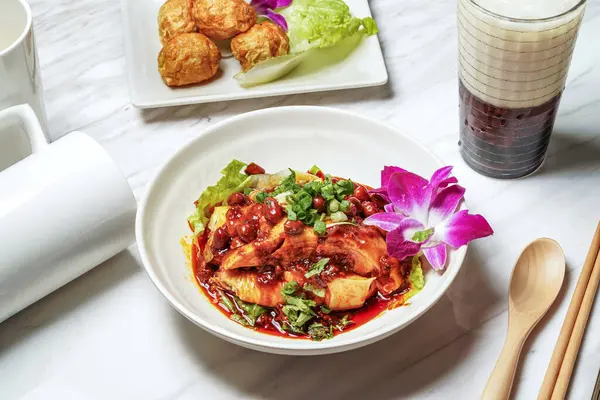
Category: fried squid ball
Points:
column 188, row 58
column 223, row 19
column 263, row 41
column 175, row 17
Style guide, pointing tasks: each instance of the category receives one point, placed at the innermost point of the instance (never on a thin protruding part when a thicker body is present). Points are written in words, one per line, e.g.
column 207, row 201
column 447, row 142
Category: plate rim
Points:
column 261, row 345
column 140, row 103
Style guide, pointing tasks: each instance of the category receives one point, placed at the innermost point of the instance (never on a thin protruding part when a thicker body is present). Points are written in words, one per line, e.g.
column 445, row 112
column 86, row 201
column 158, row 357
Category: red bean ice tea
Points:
column 514, row 57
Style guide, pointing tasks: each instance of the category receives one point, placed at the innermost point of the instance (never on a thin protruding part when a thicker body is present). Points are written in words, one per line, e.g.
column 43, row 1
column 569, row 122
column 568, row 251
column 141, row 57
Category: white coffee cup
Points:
column 64, row 209
column 19, row 68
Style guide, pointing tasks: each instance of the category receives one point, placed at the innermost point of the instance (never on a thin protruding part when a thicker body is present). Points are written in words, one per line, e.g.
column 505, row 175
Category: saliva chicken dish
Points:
column 288, row 253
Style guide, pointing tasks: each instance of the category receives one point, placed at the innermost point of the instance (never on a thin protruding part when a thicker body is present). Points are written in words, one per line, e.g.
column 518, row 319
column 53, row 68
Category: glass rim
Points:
column 527, row 20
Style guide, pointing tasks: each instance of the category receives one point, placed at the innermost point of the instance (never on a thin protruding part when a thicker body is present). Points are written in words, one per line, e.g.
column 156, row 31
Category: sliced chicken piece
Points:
column 296, row 248
column 245, row 285
column 355, row 248
column 349, row 292
column 256, row 253
column 394, row 277
column 388, row 284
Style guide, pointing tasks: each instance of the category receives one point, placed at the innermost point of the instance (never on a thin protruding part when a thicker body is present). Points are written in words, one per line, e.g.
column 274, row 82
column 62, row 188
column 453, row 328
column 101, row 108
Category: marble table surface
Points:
column 111, row 335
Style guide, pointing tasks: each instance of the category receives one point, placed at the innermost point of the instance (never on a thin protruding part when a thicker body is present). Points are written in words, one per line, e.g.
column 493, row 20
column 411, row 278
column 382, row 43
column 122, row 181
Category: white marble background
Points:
column 110, row 334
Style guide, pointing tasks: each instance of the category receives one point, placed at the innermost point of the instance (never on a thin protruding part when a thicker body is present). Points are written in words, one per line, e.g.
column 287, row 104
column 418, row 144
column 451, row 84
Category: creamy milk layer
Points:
column 516, row 64
column 528, row 9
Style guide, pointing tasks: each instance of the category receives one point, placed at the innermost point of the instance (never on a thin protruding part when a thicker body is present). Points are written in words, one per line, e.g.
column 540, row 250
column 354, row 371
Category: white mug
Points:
column 19, row 69
column 64, row 209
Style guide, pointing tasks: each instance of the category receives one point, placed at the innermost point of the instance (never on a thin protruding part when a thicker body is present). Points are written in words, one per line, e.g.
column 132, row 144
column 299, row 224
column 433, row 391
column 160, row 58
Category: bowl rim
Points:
column 325, row 346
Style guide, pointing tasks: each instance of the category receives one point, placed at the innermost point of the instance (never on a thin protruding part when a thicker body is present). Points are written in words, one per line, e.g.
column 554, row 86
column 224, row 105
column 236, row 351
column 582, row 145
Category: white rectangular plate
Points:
column 363, row 67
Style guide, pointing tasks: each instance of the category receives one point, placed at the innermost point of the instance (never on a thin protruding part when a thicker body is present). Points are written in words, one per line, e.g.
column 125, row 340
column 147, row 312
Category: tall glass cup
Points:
column 514, row 56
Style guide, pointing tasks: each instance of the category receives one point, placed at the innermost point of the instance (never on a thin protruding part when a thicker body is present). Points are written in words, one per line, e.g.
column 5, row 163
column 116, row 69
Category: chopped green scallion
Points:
column 333, row 206
column 320, row 227
column 339, row 217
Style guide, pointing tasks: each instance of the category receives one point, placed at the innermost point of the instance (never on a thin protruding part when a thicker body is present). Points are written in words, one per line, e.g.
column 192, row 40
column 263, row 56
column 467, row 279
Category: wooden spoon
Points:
column 535, row 282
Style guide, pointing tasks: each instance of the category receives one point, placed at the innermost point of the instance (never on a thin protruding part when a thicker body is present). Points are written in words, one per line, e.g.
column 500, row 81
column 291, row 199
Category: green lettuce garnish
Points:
column 251, row 311
column 298, row 309
column 322, row 23
column 321, row 33
column 317, row 268
column 233, row 180
column 416, row 278
column 318, row 332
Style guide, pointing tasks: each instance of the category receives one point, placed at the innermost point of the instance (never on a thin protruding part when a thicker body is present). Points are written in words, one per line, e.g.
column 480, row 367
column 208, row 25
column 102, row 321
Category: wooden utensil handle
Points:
column 500, row 383
column 566, row 368
column 568, row 326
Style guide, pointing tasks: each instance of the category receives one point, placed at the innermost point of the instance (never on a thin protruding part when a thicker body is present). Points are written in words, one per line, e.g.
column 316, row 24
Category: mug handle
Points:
column 25, row 114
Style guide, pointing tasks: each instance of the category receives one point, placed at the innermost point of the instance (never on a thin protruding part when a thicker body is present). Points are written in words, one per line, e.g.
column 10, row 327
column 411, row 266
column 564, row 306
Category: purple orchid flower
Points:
column 421, row 215
column 265, row 8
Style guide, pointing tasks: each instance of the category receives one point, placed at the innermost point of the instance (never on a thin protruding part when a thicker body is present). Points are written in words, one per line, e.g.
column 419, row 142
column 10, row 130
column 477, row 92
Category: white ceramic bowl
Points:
column 339, row 142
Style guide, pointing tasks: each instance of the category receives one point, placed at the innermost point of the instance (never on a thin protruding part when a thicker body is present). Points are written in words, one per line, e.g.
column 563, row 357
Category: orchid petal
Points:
column 387, row 173
column 277, row 18
column 461, row 228
column 389, row 208
column 388, row 221
column 437, row 178
column 283, row 3
column 399, row 244
column 264, row 4
column 436, row 256
column 405, row 189
column 448, row 182
column 444, row 204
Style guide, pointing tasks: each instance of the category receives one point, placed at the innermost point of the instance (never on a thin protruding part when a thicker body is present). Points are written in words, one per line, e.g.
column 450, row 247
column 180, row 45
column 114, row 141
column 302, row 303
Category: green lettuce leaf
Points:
column 321, row 33
column 298, row 310
column 251, row 311
column 233, row 180
column 322, row 23
column 416, row 278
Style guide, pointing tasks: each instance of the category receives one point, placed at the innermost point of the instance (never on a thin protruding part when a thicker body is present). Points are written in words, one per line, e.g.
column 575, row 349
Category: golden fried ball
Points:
column 223, row 19
column 263, row 41
column 175, row 17
column 188, row 58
